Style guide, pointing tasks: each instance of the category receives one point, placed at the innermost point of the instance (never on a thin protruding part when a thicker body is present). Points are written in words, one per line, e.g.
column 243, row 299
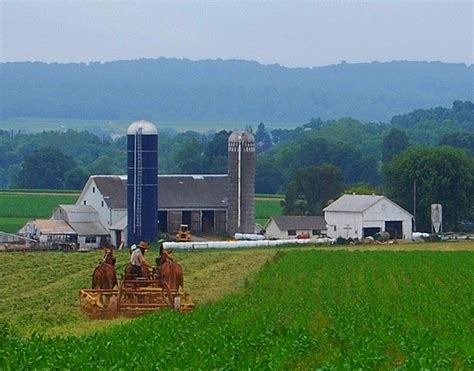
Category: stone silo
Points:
column 142, row 182
column 241, row 168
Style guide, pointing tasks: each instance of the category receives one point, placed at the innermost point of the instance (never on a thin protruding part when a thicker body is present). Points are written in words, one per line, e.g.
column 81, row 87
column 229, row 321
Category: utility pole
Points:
column 414, row 205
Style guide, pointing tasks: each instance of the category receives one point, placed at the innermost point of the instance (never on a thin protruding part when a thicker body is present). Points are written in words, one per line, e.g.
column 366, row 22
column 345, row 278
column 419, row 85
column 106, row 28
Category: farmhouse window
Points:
column 93, row 189
column 90, row 239
column 335, row 228
column 85, row 202
column 291, row 232
column 102, row 203
column 316, row 232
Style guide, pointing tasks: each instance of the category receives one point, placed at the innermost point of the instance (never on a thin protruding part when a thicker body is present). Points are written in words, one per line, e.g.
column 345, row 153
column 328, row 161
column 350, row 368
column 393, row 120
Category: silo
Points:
column 142, row 182
column 241, row 169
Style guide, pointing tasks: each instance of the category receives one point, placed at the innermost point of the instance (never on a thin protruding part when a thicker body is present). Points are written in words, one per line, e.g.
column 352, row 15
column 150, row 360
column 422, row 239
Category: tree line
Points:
column 311, row 164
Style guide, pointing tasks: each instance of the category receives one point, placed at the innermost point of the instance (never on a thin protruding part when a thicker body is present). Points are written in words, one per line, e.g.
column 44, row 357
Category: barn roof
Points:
column 174, row 191
column 113, row 189
column 192, row 191
column 286, row 222
column 354, row 203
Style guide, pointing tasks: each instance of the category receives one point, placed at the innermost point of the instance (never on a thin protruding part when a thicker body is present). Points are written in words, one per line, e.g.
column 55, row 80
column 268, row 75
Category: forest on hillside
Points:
column 208, row 90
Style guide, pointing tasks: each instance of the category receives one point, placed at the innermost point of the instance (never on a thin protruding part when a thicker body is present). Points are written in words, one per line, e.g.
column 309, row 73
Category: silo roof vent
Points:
column 241, row 136
column 147, row 128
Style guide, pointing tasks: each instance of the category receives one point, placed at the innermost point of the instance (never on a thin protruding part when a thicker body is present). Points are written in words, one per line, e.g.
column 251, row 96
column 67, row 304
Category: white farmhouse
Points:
column 288, row 227
column 359, row 216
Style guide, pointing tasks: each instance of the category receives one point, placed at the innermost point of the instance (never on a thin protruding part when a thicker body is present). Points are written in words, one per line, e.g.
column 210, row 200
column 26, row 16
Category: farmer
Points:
column 137, row 259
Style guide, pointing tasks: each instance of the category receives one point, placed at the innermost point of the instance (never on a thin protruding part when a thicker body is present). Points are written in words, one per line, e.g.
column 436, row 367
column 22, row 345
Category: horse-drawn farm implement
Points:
column 133, row 296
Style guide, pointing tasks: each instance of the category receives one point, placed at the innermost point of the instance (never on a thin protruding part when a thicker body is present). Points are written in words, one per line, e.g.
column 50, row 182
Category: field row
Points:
column 305, row 309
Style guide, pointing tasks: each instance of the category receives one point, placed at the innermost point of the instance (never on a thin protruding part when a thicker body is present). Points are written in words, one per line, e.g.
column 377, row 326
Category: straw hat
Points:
column 143, row 245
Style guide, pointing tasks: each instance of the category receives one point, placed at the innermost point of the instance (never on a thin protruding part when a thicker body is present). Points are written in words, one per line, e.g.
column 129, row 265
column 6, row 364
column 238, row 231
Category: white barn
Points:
column 286, row 227
column 359, row 216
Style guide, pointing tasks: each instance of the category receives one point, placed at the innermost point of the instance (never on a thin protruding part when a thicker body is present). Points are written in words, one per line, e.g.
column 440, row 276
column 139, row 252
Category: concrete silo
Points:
column 142, row 182
column 241, row 168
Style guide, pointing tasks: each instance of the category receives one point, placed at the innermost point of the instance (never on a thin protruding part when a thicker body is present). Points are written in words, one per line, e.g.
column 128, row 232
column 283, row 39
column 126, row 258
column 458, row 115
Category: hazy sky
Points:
column 288, row 33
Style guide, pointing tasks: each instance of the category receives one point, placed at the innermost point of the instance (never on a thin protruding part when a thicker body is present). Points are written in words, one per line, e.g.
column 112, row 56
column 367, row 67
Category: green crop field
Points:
column 267, row 206
column 16, row 208
column 303, row 308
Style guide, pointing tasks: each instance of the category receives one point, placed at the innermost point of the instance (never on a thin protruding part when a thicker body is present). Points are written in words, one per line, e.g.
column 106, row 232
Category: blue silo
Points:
column 142, row 182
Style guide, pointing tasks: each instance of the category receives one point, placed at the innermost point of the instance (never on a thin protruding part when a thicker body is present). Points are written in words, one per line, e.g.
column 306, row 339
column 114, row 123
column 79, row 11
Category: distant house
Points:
column 84, row 220
column 289, row 227
column 200, row 201
column 359, row 216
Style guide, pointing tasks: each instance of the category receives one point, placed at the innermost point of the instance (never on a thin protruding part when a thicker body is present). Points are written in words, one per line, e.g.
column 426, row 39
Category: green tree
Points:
column 394, row 142
column 44, row 169
column 76, row 178
column 311, row 189
column 443, row 175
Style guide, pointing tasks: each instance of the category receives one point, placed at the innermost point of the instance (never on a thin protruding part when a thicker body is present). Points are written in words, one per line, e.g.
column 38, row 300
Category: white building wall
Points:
column 386, row 210
column 343, row 224
column 91, row 196
column 273, row 232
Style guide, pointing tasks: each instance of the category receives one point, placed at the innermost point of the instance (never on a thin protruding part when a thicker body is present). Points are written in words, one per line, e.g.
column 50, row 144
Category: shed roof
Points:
column 89, row 229
column 51, row 226
column 286, row 222
column 354, row 203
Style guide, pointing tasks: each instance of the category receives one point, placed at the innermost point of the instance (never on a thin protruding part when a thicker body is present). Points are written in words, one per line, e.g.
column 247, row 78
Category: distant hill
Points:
column 172, row 89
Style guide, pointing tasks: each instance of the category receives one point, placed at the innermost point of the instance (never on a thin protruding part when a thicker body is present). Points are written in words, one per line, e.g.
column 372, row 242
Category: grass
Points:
column 265, row 207
column 16, row 208
column 303, row 309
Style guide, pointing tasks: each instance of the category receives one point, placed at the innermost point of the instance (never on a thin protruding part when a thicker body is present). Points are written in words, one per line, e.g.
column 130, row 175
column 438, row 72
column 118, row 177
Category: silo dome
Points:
column 147, row 128
column 241, row 136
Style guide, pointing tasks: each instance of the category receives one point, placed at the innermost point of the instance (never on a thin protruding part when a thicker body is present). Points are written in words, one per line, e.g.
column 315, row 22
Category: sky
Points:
column 294, row 34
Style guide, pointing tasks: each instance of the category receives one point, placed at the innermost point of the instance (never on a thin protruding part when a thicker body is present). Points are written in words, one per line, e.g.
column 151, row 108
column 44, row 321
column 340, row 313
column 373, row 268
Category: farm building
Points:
column 199, row 201
column 84, row 220
column 289, row 227
column 49, row 232
column 359, row 216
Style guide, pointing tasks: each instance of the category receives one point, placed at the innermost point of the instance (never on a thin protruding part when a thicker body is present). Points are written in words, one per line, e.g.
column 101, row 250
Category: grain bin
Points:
column 241, row 168
column 142, row 182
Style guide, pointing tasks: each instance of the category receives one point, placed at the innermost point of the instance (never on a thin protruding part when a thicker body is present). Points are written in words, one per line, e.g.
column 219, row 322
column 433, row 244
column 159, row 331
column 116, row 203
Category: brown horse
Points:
column 169, row 272
column 104, row 276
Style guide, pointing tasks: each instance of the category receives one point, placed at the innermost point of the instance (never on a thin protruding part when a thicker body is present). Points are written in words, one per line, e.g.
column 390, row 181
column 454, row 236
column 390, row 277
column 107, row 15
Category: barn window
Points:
column 93, row 189
column 291, row 232
column 85, row 202
column 335, row 228
column 316, row 232
column 90, row 239
column 102, row 203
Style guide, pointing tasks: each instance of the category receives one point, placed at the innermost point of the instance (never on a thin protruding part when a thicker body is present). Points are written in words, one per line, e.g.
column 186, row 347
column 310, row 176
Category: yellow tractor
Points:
column 184, row 234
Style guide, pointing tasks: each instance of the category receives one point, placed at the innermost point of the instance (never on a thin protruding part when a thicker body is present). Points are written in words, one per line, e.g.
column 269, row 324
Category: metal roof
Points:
column 286, row 222
column 51, row 226
column 120, row 225
column 354, row 203
column 113, row 189
column 174, row 191
column 89, row 229
column 192, row 191
column 147, row 128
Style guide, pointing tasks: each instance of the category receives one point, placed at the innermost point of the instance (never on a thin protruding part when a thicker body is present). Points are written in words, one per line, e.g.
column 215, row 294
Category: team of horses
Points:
column 167, row 274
